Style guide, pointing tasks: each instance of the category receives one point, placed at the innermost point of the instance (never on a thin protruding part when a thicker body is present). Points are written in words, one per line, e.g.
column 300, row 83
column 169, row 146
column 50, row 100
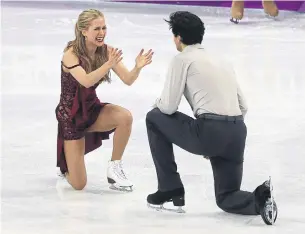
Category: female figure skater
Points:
column 84, row 121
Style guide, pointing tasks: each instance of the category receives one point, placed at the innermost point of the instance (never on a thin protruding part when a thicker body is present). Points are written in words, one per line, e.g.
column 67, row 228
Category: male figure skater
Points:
column 218, row 130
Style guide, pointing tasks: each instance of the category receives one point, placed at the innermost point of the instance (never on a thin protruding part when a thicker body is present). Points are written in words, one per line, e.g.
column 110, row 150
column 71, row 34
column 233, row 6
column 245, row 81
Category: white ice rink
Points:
column 269, row 57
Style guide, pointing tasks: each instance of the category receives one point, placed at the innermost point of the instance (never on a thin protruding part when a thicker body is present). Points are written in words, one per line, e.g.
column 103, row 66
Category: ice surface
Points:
column 268, row 56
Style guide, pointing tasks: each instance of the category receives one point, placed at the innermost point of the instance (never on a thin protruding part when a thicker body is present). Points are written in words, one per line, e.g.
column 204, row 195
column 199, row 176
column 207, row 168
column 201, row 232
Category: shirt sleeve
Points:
column 173, row 89
column 243, row 106
column 242, row 101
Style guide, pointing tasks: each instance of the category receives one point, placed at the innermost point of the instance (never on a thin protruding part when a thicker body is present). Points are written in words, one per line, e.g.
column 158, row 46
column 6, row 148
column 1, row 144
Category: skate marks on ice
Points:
column 167, row 209
column 199, row 219
column 211, row 213
column 134, row 204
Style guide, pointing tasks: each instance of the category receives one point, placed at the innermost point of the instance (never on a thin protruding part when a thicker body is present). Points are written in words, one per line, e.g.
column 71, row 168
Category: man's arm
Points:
column 174, row 85
column 241, row 98
column 242, row 101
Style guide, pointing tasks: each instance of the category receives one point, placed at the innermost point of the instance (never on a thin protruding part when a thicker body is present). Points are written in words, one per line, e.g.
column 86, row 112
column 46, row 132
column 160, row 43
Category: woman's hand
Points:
column 144, row 59
column 114, row 57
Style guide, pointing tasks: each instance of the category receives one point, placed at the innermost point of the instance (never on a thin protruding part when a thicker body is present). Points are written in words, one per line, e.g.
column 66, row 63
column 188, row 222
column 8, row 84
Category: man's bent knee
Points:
column 223, row 204
column 153, row 114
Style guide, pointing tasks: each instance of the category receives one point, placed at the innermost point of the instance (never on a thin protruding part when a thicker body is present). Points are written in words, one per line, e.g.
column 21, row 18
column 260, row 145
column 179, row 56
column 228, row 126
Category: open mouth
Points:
column 100, row 39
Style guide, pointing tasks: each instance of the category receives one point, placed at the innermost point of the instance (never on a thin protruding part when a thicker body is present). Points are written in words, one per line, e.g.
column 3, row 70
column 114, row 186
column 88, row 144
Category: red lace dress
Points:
column 78, row 109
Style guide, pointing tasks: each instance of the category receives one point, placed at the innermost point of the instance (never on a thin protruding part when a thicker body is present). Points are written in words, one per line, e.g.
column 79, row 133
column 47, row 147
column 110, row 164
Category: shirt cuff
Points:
column 155, row 104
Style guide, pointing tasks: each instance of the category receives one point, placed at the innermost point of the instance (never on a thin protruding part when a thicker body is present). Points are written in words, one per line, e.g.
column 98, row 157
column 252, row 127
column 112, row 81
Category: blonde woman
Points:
column 83, row 120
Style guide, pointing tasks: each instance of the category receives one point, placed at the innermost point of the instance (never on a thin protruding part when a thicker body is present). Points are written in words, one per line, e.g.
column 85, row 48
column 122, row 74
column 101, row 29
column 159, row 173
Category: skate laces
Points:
column 118, row 169
column 121, row 169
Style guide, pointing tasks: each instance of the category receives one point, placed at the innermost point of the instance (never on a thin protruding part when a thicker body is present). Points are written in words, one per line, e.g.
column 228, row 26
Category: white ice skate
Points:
column 117, row 177
column 61, row 175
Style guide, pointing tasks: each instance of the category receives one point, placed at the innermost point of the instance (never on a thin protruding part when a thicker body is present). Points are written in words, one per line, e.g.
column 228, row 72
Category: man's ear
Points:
column 179, row 38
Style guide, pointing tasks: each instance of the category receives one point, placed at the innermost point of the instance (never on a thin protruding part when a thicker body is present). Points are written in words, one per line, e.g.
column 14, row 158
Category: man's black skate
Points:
column 265, row 202
column 157, row 199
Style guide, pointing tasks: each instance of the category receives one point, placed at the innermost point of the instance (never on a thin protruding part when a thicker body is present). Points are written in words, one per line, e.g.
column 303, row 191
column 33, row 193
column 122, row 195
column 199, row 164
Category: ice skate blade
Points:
column 115, row 186
column 270, row 211
column 161, row 208
column 275, row 18
column 121, row 188
column 234, row 20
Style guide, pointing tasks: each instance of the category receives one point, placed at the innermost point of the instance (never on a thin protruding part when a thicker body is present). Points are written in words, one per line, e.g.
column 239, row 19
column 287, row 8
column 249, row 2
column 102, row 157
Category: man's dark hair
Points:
column 188, row 26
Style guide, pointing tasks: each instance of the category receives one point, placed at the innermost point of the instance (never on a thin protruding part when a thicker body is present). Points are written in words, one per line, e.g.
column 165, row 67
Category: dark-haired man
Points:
column 218, row 130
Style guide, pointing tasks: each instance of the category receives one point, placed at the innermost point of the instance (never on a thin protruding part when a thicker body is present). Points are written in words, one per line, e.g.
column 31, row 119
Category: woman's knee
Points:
column 74, row 154
column 79, row 186
column 77, row 183
column 124, row 117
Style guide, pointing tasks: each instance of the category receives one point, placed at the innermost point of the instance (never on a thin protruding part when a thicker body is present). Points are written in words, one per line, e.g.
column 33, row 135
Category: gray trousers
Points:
column 222, row 141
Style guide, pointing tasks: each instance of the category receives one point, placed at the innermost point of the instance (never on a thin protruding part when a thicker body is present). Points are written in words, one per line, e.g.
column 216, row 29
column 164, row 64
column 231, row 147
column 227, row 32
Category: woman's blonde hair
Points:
column 79, row 46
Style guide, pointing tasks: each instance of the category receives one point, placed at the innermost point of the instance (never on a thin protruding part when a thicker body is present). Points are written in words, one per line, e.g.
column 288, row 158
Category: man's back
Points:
column 211, row 86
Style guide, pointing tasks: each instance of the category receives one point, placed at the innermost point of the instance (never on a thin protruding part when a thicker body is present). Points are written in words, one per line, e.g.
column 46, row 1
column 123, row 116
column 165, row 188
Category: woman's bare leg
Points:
column 111, row 117
column 117, row 117
column 74, row 151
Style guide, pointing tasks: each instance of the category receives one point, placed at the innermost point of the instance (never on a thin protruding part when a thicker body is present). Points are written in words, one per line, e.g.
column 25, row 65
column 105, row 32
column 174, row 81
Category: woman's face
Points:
column 96, row 32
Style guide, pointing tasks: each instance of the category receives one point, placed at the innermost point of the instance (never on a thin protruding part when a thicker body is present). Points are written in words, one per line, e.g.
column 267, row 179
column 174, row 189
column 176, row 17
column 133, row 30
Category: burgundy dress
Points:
column 78, row 109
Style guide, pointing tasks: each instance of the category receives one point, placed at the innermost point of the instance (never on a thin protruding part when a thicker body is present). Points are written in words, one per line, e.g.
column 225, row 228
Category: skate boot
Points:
column 61, row 174
column 237, row 11
column 117, row 177
column 270, row 8
column 158, row 199
column 265, row 202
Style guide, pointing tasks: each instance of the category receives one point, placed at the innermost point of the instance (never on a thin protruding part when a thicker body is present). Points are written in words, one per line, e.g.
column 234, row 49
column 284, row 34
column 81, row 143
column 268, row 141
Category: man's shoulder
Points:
column 182, row 58
column 177, row 59
column 179, row 56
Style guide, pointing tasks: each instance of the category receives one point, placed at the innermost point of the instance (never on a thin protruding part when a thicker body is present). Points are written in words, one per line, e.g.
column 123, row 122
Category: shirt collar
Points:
column 192, row 47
